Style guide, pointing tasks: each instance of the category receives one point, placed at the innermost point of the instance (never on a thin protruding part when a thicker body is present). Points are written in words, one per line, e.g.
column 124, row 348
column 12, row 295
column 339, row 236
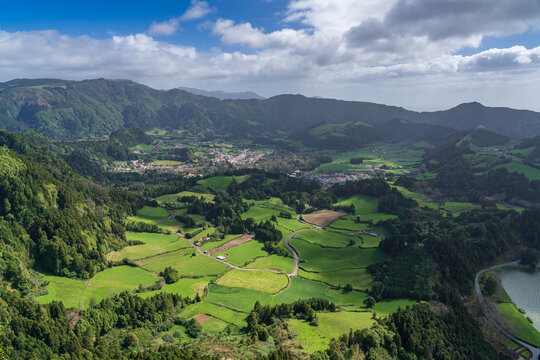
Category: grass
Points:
column 275, row 262
column 318, row 258
column 165, row 163
column 529, row 172
column 150, row 215
column 263, row 281
column 241, row 299
column 173, row 198
column 186, row 287
column 77, row 293
column 214, row 244
column 456, row 208
column 331, row 325
column 358, row 278
column 362, row 204
column 421, row 199
column 186, row 264
column 326, row 238
column 241, row 254
column 216, row 311
column 301, row 289
column 154, row 244
column 220, row 183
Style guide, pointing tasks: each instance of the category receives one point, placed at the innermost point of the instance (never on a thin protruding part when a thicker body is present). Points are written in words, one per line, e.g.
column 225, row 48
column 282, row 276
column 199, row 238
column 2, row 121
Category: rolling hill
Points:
column 95, row 108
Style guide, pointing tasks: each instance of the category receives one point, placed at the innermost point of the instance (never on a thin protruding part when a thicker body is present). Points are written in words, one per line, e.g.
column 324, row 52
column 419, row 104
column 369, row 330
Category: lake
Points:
column 524, row 290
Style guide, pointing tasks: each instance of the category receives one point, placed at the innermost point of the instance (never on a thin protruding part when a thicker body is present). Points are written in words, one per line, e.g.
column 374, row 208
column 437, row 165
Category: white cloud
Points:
column 392, row 51
column 197, row 10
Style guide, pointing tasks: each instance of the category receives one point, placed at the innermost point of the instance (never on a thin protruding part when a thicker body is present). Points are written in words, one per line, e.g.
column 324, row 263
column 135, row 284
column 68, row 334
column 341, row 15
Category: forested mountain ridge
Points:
column 52, row 219
column 95, row 108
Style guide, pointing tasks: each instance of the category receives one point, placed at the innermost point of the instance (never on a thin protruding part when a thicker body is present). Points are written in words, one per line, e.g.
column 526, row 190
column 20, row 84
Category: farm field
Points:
column 362, row 204
column 78, row 293
column 529, row 172
column 326, row 238
column 154, row 244
column 165, row 163
column 187, row 287
column 208, row 245
column 185, row 262
column 276, row 262
column 216, row 311
column 331, row 325
column 241, row 254
column 322, row 217
column 173, row 198
column 220, row 183
column 263, row 281
column 150, row 215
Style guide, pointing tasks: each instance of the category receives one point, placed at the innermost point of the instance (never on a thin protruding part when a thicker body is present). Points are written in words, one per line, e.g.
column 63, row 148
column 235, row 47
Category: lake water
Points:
column 524, row 290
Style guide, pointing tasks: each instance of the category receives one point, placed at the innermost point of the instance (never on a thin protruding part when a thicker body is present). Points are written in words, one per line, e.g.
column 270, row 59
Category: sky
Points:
column 418, row 54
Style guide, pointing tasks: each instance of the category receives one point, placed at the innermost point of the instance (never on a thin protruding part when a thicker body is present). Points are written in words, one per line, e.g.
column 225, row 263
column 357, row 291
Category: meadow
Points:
column 150, row 215
column 78, row 293
column 263, row 281
column 154, row 244
column 220, row 183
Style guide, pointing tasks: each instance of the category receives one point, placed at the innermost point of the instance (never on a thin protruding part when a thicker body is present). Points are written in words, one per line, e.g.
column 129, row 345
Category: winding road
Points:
column 286, row 243
column 533, row 349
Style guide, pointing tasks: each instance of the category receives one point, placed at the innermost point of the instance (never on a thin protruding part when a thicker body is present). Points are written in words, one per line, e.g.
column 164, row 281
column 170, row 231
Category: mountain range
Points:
column 95, row 108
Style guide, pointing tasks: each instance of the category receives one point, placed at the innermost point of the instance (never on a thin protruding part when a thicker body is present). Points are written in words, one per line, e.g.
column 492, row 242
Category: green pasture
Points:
column 220, row 183
column 209, row 245
column 358, row 278
column 326, row 238
column 456, row 208
column 173, row 198
column 319, row 259
column 241, row 254
column 529, row 172
column 165, row 163
column 77, row 293
column 263, row 281
column 150, row 215
column 185, row 262
column 154, row 244
column 275, row 262
column 186, row 287
column 216, row 311
column 331, row 325
column 241, row 299
column 421, row 199
column 143, row 147
column 362, row 204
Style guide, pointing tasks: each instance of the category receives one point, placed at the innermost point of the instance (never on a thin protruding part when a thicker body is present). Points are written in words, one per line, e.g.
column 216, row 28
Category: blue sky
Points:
column 420, row 54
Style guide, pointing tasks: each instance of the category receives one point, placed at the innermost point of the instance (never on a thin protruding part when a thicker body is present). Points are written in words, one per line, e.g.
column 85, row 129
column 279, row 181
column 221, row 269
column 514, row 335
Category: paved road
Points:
column 287, row 245
column 534, row 350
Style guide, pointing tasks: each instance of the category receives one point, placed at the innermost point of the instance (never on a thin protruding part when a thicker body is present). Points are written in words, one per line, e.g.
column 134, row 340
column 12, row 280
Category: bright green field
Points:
column 358, row 278
column 332, row 259
column 214, row 244
column 456, row 208
column 420, row 198
column 77, row 293
column 263, row 281
column 529, row 172
column 173, row 198
column 326, row 238
column 220, row 183
column 241, row 254
column 165, row 163
column 331, row 325
column 362, row 204
column 154, row 244
column 150, row 215
column 184, row 287
column 241, row 299
column 275, row 262
column 185, row 263
column 216, row 311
